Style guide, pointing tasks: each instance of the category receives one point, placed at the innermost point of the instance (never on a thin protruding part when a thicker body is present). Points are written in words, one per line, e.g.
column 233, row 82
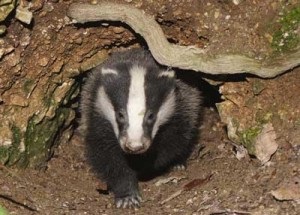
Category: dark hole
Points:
column 210, row 93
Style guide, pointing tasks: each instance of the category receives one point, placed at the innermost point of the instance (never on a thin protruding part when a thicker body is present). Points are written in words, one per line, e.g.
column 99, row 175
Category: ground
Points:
column 220, row 183
column 215, row 182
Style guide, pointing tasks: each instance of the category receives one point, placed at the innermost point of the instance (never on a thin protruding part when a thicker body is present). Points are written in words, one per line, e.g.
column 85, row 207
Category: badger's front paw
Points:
column 130, row 201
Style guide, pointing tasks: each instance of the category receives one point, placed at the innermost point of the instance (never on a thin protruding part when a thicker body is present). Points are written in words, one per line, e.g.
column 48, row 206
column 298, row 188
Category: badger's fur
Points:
column 136, row 118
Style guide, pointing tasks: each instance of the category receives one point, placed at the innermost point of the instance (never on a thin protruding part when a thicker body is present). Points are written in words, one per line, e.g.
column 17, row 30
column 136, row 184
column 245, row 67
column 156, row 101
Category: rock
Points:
column 2, row 29
column 24, row 15
column 6, row 7
column 255, row 111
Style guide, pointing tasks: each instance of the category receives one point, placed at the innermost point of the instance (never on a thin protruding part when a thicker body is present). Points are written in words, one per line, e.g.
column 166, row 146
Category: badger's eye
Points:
column 120, row 116
column 150, row 117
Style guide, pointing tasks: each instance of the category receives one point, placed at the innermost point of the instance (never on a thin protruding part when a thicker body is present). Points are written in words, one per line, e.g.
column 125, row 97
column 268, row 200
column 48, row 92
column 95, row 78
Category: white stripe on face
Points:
column 136, row 106
column 105, row 107
column 166, row 110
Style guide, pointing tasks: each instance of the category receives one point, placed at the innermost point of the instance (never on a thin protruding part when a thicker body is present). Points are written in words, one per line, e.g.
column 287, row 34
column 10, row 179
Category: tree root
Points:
column 183, row 57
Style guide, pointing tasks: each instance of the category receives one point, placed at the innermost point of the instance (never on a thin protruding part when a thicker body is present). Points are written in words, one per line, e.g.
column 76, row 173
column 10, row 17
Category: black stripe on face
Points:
column 117, row 89
column 157, row 88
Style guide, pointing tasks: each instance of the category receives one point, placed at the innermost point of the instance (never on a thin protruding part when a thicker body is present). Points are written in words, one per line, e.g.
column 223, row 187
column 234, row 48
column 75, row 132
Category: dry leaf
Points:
column 265, row 143
column 288, row 191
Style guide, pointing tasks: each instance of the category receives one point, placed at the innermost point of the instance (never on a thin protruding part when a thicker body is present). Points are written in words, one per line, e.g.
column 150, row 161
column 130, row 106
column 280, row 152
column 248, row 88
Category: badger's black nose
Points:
column 134, row 147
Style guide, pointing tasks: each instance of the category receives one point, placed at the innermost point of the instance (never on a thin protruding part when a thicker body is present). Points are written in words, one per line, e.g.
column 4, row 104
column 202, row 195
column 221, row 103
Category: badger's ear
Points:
column 107, row 71
column 169, row 73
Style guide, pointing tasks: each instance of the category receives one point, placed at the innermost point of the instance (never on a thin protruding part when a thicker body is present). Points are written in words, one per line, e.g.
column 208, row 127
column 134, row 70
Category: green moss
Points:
column 15, row 153
column 48, row 101
column 16, row 135
column 3, row 211
column 40, row 137
column 263, row 117
column 27, row 86
column 248, row 136
column 4, row 154
column 11, row 154
column 286, row 37
column 258, row 86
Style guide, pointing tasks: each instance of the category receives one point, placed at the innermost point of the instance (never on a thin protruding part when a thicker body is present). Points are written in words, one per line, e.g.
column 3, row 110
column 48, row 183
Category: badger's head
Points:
column 136, row 99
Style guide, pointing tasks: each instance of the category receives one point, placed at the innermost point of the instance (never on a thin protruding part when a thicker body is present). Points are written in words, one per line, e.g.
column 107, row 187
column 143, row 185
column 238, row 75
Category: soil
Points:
column 219, row 183
column 215, row 182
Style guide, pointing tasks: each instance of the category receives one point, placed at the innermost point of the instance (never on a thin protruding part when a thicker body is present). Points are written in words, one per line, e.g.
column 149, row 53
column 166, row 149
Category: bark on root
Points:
column 183, row 57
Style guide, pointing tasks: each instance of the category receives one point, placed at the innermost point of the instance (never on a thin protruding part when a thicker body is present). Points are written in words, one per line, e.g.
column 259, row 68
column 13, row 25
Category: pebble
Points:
column 217, row 14
column 227, row 17
column 118, row 30
column 2, row 29
column 236, row 2
column 24, row 15
column 43, row 61
column 94, row 2
column 189, row 202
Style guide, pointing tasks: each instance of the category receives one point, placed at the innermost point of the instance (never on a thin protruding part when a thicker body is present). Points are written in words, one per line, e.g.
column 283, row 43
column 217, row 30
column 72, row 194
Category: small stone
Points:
column 48, row 7
column 93, row 2
column 2, row 29
column 1, row 52
column 24, row 15
column 189, row 202
column 236, row 2
column 78, row 41
column 118, row 30
column 43, row 61
column 217, row 14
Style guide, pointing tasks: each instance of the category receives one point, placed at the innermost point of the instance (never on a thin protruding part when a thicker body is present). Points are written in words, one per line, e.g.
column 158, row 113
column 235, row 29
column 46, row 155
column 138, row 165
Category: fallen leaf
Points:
column 289, row 190
column 265, row 143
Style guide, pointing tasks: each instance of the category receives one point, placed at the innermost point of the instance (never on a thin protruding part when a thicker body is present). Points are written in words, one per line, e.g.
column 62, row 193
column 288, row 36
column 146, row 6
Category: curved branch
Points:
column 184, row 57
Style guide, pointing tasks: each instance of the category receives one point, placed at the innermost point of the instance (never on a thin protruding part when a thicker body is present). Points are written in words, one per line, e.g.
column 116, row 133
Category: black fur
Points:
column 172, row 144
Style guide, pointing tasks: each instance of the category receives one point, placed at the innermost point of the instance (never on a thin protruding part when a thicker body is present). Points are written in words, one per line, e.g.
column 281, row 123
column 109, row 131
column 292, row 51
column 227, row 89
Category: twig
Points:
column 10, row 199
column 230, row 212
column 194, row 183
column 10, row 172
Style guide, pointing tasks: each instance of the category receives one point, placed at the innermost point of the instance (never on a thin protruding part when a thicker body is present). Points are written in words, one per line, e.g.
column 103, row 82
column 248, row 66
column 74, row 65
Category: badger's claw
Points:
column 179, row 167
column 132, row 201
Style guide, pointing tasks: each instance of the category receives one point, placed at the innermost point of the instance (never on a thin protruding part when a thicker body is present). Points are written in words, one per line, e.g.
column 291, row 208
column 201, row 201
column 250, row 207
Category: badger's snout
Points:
column 133, row 146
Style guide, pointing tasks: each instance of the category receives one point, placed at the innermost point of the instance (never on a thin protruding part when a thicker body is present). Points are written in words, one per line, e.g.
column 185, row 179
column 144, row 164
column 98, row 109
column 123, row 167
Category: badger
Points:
column 136, row 118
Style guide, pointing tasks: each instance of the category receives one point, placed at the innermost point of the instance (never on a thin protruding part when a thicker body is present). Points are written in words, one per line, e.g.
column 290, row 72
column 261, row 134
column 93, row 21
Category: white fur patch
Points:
column 167, row 73
column 136, row 105
column 105, row 71
column 105, row 107
column 166, row 110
